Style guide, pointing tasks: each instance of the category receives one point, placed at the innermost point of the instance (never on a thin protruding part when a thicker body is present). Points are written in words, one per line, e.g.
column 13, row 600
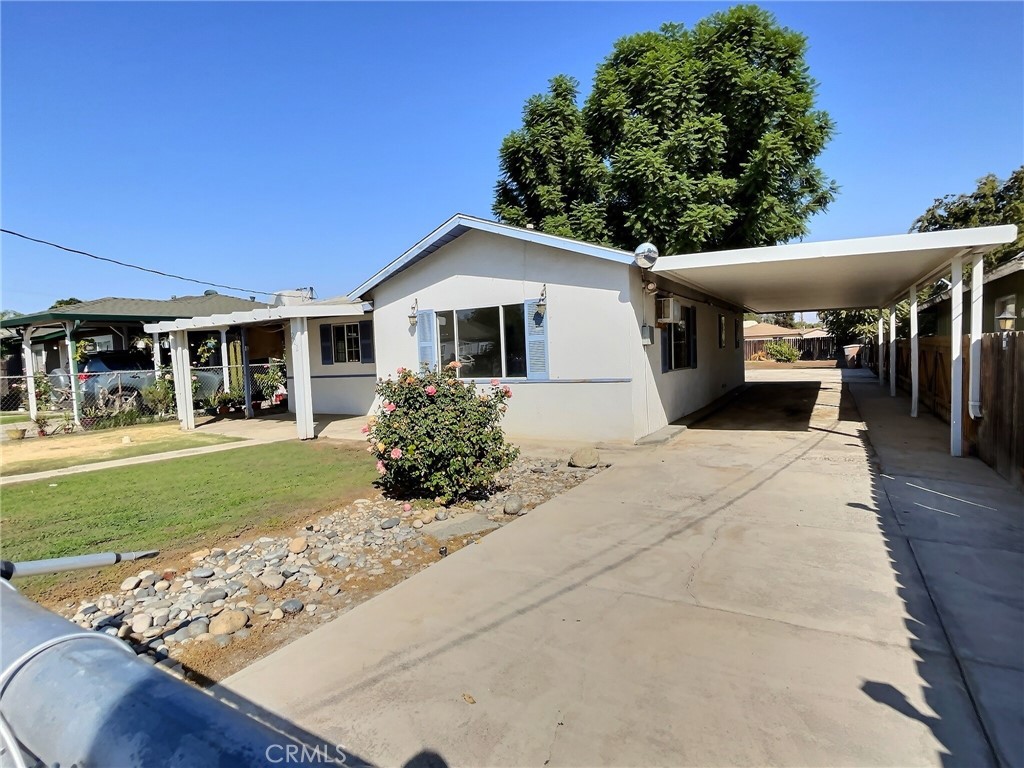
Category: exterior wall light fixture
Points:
column 414, row 312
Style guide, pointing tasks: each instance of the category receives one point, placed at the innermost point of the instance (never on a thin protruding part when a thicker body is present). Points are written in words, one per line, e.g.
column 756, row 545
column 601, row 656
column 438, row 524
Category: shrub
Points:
column 159, row 396
column 781, row 352
column 435, row 436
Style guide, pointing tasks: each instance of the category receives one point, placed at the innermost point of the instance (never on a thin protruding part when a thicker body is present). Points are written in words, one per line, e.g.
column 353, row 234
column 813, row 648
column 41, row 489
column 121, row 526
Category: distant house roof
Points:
column 460, row 223
column 133, row 310
column 769, row 331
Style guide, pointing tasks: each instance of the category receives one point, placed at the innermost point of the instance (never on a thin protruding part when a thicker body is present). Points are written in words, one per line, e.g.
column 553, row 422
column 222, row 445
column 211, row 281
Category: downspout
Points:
column 977, row 308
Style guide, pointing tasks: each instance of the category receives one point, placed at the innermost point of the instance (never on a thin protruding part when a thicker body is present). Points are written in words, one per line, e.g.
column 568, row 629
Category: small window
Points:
column 346, row 343
column 721, row 331
column 488, row 342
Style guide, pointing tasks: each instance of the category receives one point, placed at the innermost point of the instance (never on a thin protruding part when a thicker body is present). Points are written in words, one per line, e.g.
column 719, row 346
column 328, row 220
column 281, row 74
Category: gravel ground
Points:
column 228, row 606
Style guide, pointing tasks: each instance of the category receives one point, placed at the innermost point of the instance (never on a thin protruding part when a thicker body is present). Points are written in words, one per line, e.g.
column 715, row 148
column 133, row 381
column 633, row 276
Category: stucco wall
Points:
column 660, row 398
column 589, row 316
column 339, row 388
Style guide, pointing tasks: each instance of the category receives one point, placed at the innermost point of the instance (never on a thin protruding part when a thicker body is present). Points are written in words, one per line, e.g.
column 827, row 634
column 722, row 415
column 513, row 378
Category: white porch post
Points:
column 30, row 373
column 881, row 349
column 182, row 372
column 977, row 310
column 224, row 358
column 302, row 384
column 956, row 388
column 246, row 380
column 913, row 352
column 892, row 350
column 156, row 352
column 76, row 398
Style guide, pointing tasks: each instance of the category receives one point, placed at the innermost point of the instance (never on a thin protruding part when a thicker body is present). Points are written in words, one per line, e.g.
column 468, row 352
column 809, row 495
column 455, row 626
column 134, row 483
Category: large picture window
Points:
column 346, row 343
column 489, row 342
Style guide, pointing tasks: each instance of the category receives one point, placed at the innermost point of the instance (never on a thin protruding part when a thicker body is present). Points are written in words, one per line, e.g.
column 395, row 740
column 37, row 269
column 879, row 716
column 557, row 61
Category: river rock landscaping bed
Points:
column 226, row 597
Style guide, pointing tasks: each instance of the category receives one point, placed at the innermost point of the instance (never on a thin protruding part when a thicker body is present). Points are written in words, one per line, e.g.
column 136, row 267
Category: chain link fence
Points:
column 121, row 398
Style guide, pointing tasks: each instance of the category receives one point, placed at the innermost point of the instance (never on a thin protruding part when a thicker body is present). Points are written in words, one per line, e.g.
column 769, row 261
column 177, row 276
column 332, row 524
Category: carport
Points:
column 296, row 317
column 863, row 273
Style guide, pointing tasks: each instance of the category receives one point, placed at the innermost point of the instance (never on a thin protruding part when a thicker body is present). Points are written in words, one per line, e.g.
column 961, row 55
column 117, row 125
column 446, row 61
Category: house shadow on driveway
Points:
column 964, row 542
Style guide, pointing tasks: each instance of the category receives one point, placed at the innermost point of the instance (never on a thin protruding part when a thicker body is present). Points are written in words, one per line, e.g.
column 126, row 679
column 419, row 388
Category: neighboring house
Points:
column 765, row 331
column 1004, row 290
column 109, row 323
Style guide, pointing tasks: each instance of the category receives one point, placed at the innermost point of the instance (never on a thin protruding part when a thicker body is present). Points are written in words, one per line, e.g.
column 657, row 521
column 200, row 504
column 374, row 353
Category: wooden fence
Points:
column 998, row 437
column 821, row 348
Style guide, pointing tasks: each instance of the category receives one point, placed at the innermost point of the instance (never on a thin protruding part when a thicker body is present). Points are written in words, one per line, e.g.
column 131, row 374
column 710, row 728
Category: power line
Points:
column 135, row 266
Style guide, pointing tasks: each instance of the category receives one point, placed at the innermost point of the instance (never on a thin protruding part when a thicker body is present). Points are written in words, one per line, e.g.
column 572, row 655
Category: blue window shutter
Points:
column 692, row 329
column 666, row 349
column 366, row 341
column 536, row 340
column 426, row 338
column 326, row 344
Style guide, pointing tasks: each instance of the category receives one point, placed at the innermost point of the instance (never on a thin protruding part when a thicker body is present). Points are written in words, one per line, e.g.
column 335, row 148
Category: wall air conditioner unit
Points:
column 669, row 310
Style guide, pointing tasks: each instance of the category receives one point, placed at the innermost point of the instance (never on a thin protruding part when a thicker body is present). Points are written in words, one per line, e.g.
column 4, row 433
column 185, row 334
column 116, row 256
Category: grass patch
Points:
column 174, row 443
column 178, row 504
column 14, row 418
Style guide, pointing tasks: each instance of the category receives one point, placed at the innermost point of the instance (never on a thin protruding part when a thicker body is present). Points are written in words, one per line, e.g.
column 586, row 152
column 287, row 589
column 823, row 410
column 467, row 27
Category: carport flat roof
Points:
column 835, row 274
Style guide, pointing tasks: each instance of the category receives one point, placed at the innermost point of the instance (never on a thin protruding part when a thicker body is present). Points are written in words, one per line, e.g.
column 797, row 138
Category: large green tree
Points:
column 992, row 202
column 691, row 139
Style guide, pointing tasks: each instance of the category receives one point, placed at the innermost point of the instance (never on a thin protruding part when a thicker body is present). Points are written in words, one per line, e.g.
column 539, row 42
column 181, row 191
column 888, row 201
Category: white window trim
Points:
column 455, row 334
column 334, row 343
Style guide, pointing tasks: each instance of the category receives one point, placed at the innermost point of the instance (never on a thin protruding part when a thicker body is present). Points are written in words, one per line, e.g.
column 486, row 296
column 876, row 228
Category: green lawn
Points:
column 175, row 443
column 14, row 418
column 179, row 503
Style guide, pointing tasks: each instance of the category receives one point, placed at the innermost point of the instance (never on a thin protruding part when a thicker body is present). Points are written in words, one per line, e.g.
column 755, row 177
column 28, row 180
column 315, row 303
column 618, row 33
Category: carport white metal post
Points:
column 299, row 327
column 182, row 372
column 892, row 350
column 956, row 386
column 156, row 353
column 977, row 299
column 30, row 375
column 914, row 384
column 76, row 397
column 246, row 377
column 224, row 357
column 881, row 349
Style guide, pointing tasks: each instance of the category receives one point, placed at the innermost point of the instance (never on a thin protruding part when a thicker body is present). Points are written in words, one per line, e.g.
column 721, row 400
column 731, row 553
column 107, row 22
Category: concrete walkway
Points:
column 747, row 594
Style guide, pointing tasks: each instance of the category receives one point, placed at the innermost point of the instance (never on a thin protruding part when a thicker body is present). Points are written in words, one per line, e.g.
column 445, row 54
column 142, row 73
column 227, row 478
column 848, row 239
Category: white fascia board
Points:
column 976, row 237
column 255, row 316
column 492, row 227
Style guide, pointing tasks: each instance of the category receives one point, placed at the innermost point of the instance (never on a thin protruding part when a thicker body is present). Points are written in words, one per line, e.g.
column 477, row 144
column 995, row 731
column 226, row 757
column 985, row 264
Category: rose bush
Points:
column 436, row 437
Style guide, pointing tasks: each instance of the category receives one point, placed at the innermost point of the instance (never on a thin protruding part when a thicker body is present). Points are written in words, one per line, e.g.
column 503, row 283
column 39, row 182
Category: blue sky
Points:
column 278, row 145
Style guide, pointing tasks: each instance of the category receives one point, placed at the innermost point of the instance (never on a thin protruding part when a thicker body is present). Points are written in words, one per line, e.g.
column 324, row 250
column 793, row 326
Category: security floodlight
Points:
column 645, row 255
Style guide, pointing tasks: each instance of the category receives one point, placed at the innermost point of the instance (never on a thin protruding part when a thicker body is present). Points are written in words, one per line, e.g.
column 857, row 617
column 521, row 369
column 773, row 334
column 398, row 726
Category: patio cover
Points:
column 871, row 272
column 295, row 315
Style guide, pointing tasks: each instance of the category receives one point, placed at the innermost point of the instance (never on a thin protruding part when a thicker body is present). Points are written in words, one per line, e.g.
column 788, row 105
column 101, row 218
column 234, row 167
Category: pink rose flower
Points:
column 400, row 370
column 365, row 429
column 380, row 467
column 508, row 391
column 431, row 390
column 495, row 382
column 390, row 407
column 396, row 453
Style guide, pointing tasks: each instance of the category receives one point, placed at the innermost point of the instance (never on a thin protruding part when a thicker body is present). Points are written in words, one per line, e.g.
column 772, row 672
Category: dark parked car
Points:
column 115, row 380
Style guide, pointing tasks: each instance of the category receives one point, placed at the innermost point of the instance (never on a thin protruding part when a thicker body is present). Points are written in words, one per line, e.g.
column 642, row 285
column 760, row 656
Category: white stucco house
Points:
column 594, row 346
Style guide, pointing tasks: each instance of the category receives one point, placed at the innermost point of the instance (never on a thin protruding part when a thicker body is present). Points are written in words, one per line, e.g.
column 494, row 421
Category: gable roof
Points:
column 770, row 331
column 134, row 310
column 460, row 224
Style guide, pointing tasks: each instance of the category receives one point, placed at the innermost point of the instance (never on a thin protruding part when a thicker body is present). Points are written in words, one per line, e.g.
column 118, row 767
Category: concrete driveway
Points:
column 742, row 595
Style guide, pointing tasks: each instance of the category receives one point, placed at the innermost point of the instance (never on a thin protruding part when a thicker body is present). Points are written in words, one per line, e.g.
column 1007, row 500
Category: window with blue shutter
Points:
column 426, row 338
column 536, row 340
column 327, row 344
column 366, row 341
